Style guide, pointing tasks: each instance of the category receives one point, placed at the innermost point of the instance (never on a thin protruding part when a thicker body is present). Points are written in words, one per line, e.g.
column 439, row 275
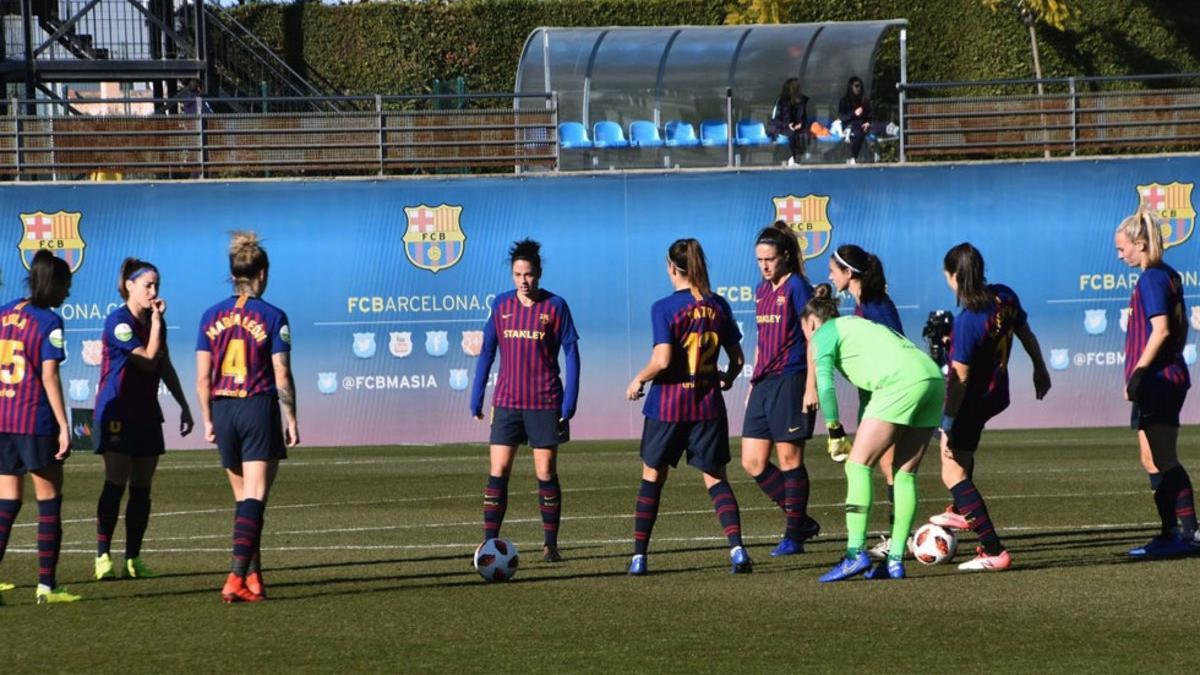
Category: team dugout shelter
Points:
column 631, row 97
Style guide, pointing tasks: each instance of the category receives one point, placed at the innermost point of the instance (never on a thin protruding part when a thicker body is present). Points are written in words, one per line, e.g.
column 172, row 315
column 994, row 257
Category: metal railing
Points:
column 101, row 30
column 1075, row 115
column 245, row 66
column 384, row 134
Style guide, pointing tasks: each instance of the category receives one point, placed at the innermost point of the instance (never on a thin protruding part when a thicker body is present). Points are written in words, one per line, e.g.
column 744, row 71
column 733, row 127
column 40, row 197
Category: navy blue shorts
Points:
column 537, row 428
column 141, row 439
column 248, row 430
column 22, row 453
column 776, row 410
column 965, row 435
column 706, row 443
column 1157, row 404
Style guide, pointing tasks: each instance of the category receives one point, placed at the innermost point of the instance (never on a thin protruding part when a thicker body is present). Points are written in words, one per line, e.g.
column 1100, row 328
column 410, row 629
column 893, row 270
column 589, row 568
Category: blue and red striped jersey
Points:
column 1159, row 292
column 529, row 339
column 127, row 394
column 243, row 333
column 881, row 311
column 29, row 336
column 982, row 340
column 781, row 343
column 690, row 389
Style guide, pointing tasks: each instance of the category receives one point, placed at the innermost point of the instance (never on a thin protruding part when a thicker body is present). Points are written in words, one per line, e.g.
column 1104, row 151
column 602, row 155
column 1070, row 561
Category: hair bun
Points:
column 823, row 291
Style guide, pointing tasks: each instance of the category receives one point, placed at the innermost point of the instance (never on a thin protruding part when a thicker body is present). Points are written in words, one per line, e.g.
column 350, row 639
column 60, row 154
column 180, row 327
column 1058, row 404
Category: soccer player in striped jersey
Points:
column 529, row 325
column 859, row 273
column 243, row 378
column 1157, row 380
column 906, row 393
column 35, row 437
column 128, row 415
column 977, row 390
column 781, row 405
column 685, row 412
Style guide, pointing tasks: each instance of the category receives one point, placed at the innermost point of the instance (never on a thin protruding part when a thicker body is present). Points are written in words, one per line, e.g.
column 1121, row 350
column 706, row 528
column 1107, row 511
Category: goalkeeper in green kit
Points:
column 906, row 393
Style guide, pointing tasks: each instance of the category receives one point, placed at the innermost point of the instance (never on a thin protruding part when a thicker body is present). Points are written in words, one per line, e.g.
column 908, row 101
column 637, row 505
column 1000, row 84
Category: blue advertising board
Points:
column 388, row 282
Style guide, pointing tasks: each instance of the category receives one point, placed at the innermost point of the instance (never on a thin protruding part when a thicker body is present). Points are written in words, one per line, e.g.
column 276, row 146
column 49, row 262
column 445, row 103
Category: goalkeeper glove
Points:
column 838, row 444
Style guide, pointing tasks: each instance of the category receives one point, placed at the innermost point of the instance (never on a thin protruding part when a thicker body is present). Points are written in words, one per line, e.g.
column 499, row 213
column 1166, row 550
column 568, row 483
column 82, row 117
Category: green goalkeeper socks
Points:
column 905, row 510
column 858, row 507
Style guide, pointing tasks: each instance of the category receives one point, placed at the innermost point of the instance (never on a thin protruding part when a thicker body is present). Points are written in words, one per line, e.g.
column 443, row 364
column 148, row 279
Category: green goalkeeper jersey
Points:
column 871, row 356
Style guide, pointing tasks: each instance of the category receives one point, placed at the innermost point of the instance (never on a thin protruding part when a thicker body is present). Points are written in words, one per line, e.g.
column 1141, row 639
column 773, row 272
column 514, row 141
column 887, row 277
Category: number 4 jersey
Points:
column 689, row 389
column 243, row 333
column 29, row 336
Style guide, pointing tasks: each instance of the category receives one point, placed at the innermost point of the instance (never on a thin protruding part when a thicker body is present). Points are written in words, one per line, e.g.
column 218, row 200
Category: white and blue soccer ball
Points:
column 933, row 545
column 496, row 560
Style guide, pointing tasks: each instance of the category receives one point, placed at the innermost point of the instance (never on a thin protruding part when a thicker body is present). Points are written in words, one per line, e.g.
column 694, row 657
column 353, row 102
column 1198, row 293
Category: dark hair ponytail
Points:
column 823, row 305
column 783, row 238
column 129, row 268
column 864, row 266
column 528, row 250
column 688, row 258
column 965, row 263
column 49, row 277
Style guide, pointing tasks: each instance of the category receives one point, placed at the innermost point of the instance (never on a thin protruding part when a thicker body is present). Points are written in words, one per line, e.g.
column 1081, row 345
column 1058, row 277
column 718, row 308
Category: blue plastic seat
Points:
column 750, row 132
column 681, row 134
column 573, row 135
column 609, row 135
column 714, row 132
column 644, row 134
column 830, row 138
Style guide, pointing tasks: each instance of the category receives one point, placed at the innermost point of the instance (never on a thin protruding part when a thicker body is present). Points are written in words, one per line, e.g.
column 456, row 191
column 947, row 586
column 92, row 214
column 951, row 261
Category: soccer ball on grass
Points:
column 496, row 560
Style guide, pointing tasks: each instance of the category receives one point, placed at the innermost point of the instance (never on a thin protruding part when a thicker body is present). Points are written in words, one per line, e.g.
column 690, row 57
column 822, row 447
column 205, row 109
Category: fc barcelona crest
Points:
column 1172, row 204
column 434, row 239
column 55, row 232
column 809, row 218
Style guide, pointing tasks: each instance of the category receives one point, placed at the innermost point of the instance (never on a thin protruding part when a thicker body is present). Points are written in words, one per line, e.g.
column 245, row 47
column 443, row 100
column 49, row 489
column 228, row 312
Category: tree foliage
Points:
column 1053, row 13
column 754, row 11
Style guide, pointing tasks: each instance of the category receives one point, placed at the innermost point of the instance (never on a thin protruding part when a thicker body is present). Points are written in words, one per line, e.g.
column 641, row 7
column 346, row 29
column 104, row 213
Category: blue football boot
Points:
column 1166, row 546
column 637, row 566
column 787, row 546
column 740, row 560
column 848, row 567
column 888, row 569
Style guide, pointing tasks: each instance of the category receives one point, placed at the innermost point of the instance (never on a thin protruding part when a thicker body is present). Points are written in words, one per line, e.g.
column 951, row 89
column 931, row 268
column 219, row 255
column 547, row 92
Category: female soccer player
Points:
column 905, row 391
column 34, row 435
column 684, row 409
column 783, row 394
column 530, row 404
column 977, row 390
column 243, row 378
column 128, row 415
column 853, row 270
column 1157, row 380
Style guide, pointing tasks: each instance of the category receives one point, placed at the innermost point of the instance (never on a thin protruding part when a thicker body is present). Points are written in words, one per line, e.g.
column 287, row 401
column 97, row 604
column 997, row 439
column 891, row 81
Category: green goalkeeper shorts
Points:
column 914, row 405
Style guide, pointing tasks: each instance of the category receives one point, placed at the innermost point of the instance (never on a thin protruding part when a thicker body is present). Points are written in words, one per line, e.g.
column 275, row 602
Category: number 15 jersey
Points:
column 29, row 336
column 243, row 333
column 689, row 390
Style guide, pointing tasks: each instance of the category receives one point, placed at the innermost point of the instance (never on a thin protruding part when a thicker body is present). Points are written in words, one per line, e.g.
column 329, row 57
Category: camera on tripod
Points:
column 937, row 335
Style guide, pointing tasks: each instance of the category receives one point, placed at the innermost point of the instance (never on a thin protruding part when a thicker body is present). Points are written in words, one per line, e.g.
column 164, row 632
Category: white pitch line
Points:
column 1099, row 527
column 606, row 516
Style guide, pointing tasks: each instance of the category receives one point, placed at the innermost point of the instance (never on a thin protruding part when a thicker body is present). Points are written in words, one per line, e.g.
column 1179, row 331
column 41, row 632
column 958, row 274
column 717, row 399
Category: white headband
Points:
column 845, row 264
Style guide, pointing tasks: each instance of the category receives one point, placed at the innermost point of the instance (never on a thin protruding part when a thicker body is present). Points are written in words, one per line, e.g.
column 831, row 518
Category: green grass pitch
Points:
column 367, row 557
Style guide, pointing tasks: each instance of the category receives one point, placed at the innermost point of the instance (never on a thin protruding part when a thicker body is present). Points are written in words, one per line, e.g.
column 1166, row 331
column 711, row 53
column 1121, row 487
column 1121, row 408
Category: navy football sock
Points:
column 795, row 500
column 550, row 503
column 644, row 515
column 970, row 504
column 1174, row 501
column 9, row 508
column 247, row 528
column 771, row 482
column 137, row 518
column 108, row 511
column 726, row 507
column 49, row 539
column 495, row 503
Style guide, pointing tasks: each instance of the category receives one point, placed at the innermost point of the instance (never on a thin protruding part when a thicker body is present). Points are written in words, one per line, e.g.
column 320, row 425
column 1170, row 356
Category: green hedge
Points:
column 401, row 47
